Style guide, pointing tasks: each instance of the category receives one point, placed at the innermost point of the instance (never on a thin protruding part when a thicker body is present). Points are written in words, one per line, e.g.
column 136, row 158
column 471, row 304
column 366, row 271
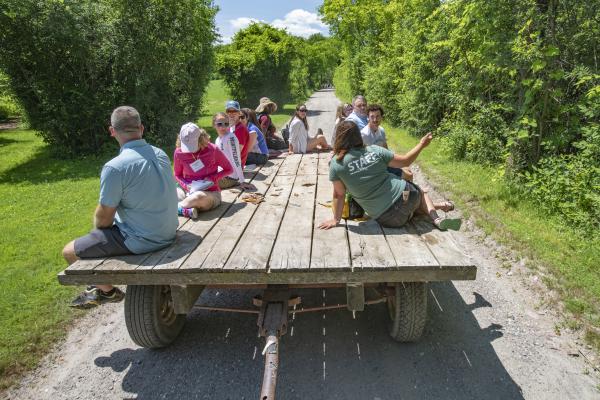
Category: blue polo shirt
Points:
column 139, row 183
column 361, row 122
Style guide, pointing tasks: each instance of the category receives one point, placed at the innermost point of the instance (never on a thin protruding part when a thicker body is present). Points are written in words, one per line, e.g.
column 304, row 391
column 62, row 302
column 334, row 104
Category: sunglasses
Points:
column 302, row 110
column 225, row 124
column 242, row 116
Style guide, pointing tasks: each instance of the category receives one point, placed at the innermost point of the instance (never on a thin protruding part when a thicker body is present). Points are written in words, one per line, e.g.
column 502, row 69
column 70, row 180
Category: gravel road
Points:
column 491, row 338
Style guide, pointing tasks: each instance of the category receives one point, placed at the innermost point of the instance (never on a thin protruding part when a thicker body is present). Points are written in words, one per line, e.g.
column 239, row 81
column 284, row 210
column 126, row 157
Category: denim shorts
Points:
column 100, row 243
column 402, row 210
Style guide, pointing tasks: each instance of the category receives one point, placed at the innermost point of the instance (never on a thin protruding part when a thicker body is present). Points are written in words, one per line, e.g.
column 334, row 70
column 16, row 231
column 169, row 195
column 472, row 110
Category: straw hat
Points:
column 264, row 102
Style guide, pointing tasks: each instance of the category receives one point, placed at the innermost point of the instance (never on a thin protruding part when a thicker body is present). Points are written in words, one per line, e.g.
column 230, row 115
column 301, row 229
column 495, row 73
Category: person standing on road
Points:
column 359, row 112
column 362, row 171
column 300, row 142
column 137, row 210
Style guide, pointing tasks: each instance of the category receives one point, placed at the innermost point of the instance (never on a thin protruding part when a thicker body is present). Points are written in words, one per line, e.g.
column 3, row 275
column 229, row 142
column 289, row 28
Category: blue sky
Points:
column 298, row 17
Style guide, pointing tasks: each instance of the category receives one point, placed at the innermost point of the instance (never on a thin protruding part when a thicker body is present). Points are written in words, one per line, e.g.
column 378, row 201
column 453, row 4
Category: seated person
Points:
column 265, row 124
column 198, row 166
column 362, row 171
column 300, row 142
column 259, row 154
column 230, row 146
column 137, row 206
column 246, row 140
column 374, row 134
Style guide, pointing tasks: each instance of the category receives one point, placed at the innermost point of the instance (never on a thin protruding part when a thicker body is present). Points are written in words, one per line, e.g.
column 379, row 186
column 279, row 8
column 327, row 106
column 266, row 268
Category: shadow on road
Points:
column 325, row 357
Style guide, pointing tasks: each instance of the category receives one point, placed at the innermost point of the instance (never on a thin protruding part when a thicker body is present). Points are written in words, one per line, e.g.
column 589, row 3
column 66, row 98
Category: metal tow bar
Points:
column 272, row 324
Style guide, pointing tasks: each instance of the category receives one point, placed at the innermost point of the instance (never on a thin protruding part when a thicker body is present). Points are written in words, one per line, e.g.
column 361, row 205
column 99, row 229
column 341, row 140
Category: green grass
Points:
column 216, row 97
column 567, row 259
column 44, row 203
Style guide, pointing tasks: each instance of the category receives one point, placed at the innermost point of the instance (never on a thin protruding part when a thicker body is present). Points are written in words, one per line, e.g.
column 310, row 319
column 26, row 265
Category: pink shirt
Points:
column 211, row 157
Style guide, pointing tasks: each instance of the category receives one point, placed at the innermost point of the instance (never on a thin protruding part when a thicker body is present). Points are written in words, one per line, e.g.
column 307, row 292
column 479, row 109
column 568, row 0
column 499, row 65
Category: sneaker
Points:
column 187, row 212
column 445, row 224
column 92, row 297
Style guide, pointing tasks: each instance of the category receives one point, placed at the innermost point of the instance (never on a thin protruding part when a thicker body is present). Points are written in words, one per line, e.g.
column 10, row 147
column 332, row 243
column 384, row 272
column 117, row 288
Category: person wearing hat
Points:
column 247, row 141
column 136, row 212
column 263, row 111
column 198, row 166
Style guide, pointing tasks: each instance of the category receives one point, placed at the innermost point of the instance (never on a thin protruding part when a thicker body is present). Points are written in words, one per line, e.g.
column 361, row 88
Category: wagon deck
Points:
column 278, row 242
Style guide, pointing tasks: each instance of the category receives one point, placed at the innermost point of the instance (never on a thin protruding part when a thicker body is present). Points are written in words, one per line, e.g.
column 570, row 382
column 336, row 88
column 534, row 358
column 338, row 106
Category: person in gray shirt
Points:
column 137, row 209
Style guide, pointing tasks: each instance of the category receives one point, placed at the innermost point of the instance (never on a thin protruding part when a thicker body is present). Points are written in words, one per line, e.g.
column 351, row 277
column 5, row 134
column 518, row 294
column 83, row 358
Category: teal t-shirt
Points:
column 139, row 183
column 364, row 173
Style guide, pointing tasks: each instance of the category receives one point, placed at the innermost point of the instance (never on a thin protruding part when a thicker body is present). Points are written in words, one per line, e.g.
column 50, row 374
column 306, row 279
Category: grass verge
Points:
column 568, row 260
column 44, row 203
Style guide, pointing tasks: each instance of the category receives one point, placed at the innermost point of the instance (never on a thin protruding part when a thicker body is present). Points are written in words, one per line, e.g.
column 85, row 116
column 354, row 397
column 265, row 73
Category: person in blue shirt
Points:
column 259, row 154
column 359, row 112
column 137, row 209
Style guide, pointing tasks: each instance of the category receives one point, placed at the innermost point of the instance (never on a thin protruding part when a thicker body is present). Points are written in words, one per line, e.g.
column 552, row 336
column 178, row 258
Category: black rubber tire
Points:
column 149, row 315
column 408, row 311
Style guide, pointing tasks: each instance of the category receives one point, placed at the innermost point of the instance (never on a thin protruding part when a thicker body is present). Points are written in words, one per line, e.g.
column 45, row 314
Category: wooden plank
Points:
column 290, row 164
column 308, row 164
column 444, row 245
column 408, row 248
column 323, row 167
column 330, row 250
column 293, row 244
column 254, row 247
column 368, row 248
column 113, row 263
column 280, row 277
column 214, row 251
column 190, row 233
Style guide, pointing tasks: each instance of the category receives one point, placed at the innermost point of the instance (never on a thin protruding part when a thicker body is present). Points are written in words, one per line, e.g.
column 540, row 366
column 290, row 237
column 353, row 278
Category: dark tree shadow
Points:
column 4, row 141
column 218, row 355
column 44, row 166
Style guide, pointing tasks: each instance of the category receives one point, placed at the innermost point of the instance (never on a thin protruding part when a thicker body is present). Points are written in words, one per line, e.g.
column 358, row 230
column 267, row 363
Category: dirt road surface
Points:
column 485, row 339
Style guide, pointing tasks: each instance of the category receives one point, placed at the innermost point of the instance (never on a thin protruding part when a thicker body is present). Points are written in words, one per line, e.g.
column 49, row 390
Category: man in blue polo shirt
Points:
column 137, row 210
column 359, row 112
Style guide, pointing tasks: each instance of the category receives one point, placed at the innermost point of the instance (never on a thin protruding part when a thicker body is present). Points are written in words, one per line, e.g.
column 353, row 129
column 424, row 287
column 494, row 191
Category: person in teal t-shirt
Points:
column 362, row 171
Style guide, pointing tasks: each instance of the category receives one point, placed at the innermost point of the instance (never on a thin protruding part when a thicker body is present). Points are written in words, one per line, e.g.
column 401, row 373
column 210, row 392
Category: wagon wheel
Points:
column 407, row 307
column 150, row 316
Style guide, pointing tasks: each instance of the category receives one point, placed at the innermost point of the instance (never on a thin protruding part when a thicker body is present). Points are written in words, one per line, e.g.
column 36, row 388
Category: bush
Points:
column 70, row 62
column 265, row 61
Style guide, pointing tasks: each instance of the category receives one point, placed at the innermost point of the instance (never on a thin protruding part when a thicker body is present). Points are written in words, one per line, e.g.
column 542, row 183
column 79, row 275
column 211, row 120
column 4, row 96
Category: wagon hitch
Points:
column 272, row 324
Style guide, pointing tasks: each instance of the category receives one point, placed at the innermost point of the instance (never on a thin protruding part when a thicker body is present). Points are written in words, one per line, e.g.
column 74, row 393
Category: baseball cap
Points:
column 232, row 104
column 189, row 135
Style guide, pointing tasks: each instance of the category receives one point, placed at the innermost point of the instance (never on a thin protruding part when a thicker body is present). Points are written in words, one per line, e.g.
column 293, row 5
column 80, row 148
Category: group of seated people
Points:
column 141, row 194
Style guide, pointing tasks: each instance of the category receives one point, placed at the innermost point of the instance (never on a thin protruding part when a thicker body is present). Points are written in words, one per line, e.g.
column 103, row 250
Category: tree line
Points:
column 70, row 62
column 512, row 83
column 262, row 60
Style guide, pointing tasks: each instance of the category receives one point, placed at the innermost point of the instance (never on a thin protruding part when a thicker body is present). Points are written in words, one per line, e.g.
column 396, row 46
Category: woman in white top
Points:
column 300, row 142
column 230, row 145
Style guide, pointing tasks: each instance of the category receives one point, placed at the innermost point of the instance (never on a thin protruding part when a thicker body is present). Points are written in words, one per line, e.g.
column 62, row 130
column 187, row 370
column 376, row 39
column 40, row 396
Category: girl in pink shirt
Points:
column 196, row 165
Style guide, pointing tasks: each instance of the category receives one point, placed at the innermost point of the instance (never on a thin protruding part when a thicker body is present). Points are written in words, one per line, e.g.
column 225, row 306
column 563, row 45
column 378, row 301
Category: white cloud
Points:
column 297, row 22
column 242, row 22
column 301, row 23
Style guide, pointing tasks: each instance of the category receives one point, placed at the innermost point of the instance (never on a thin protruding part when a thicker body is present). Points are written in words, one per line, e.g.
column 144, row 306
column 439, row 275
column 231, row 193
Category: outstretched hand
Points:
column 425, row 140
column 328, row 224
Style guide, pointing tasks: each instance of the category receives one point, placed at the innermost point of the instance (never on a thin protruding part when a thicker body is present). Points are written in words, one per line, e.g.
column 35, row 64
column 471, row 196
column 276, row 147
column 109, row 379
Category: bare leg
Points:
column 70, row 256
column 317, row 141
column 198, row 200
column 427, row 207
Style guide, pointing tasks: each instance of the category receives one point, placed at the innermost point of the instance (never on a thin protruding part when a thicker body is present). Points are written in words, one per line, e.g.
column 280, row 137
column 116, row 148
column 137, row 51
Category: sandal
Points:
column 445, row 224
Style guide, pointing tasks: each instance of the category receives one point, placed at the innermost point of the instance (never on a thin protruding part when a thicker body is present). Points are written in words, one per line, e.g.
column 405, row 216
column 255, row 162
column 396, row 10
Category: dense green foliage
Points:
column 71, row 62
column 8, row 104
column 265, row 61
column 514, row 84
